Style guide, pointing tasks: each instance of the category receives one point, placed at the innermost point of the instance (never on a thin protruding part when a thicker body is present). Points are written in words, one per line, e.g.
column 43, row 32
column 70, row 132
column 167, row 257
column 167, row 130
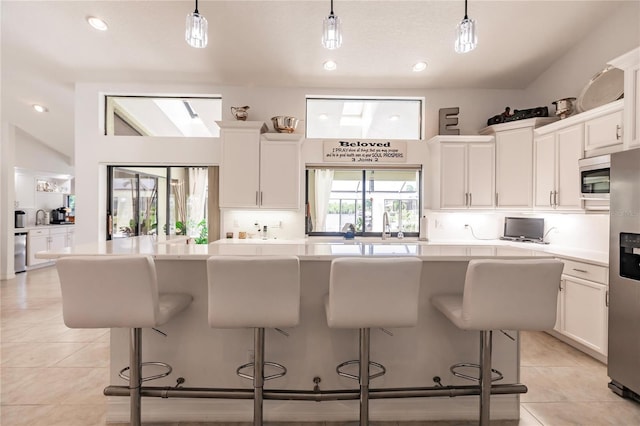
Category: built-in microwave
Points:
column 595, row 177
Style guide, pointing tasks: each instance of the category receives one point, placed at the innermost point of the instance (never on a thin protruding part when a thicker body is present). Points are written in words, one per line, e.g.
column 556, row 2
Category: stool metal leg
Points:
column 364, row 376
column 485, row 376
column 258, row 375
column 135, row 375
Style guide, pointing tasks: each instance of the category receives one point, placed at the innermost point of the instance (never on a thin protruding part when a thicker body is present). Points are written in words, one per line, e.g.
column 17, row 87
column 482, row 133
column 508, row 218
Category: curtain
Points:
column 196, row 201
column 324, row 180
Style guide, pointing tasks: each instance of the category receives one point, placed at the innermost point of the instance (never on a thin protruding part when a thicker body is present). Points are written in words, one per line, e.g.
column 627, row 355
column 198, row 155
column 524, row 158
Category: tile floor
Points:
column 53, row 376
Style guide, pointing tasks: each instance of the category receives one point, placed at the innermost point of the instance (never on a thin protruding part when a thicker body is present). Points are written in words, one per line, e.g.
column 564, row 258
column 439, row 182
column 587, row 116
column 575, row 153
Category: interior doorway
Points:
column 160, row 200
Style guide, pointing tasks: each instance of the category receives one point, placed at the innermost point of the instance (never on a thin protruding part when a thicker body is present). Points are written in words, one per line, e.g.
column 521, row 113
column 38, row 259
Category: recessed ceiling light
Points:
column 420, row 66
column 323, row 116
column 97, row 23
column 330, row 65
column 394, row 117
column 40, row 108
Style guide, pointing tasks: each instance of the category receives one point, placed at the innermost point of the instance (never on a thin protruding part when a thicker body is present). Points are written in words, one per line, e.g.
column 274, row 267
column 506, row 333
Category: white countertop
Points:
column 52, row 225
column 176, row 247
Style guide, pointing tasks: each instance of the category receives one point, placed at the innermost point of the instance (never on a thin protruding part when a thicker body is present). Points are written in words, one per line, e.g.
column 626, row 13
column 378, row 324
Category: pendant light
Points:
column 466, row 39
column 331, row 33
column 196, row 32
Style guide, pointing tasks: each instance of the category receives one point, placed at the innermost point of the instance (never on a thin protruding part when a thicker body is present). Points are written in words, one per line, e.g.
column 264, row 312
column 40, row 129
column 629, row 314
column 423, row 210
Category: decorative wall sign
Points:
column 449, row 119
column 367, row 151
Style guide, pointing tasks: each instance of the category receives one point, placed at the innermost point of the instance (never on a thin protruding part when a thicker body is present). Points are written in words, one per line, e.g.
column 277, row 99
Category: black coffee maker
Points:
column 59, row 215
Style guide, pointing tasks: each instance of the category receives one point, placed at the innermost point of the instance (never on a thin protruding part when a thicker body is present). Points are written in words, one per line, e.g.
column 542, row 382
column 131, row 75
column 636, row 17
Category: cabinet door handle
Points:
column 260, row 197
column 606, row 298
column 555, row 198
column 551, row 198
column 496, row 199
column 618, row 132
column 257, row 204
column 470, row 199
column 581, row 270
column 466, row 198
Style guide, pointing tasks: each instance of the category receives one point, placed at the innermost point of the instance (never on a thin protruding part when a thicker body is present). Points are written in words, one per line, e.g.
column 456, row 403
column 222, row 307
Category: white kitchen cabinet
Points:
column 514, row 161
column 603, row 132
column 25, row 188
column 630, row 64
column 46, row 238
column 583, row 307
column 259, row 172
column 37, row 240
column 57, row 238
column 280, row 171
column 463, row 172
column 556, row 172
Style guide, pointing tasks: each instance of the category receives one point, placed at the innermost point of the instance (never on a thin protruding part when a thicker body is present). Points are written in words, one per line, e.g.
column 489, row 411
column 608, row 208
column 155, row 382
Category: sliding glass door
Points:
column 157, row 200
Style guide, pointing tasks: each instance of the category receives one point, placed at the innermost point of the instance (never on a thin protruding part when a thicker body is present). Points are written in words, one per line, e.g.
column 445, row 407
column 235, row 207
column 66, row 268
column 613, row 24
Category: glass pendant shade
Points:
column 466, row 38
column 331, row 33
column 196, row 32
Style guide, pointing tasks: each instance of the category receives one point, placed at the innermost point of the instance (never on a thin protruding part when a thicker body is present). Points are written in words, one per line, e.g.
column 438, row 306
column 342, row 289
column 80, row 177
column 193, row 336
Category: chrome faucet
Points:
column 386, row 229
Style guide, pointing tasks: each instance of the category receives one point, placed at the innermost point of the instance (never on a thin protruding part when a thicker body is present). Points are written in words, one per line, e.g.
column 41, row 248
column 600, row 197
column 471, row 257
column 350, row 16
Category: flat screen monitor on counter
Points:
column 523, row 229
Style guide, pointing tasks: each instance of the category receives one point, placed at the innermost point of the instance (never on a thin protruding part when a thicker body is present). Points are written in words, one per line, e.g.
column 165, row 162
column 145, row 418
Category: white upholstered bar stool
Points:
column 255, row 292
column 370, row 292
column 502, row 295
column 118, row 292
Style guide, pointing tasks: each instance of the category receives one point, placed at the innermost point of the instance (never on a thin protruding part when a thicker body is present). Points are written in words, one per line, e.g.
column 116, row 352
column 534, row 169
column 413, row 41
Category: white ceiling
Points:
column 47, row 47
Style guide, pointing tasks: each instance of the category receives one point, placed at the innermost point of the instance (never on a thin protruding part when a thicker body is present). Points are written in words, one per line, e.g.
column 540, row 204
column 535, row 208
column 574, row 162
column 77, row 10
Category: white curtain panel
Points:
column 196, row 199
column 324, row 180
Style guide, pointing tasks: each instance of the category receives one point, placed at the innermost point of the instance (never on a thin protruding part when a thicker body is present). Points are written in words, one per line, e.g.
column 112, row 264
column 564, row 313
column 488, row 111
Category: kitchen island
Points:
column 208, row 357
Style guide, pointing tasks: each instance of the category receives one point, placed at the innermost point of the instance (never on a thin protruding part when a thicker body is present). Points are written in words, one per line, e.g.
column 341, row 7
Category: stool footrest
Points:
column 342, row 373
column 166, row 366
column 269, row 377
column 495, row 376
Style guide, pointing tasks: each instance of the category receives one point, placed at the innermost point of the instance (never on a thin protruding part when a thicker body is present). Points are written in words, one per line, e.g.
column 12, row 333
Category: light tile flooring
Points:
column 51, row 375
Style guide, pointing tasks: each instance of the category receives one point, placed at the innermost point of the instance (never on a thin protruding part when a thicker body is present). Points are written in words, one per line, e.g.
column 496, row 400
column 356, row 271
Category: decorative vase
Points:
column 240, row 113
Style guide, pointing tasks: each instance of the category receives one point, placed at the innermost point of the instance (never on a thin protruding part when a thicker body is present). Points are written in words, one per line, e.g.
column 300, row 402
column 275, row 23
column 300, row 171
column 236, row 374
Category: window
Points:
column 355, row 118
column 337, row 197
column 162, row 116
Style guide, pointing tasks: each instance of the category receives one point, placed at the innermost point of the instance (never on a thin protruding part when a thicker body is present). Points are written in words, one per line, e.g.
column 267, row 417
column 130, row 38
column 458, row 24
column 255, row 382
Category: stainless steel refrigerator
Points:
column 624, row 275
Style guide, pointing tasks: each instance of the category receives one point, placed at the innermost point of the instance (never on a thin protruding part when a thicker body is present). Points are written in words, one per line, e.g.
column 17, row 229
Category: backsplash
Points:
column 280, row 224
column 580, row 231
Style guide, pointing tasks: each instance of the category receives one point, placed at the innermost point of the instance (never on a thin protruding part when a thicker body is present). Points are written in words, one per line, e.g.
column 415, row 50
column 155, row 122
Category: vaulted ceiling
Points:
column 47, row 47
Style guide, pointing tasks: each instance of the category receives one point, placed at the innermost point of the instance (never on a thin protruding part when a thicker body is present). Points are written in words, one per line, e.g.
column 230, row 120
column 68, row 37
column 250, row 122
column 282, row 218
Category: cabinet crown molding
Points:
column 460, row 138
column 249, row 125
column 518, row 124
column 581, row 117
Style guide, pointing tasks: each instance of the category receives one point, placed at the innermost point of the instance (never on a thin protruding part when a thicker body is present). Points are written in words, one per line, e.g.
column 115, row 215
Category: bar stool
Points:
column 118, row 292
column 256, row 292
column 501, row 295
column 371, row 292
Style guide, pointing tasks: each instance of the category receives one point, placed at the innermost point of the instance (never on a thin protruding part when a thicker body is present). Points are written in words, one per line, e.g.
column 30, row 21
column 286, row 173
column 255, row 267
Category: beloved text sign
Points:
column 369, row 151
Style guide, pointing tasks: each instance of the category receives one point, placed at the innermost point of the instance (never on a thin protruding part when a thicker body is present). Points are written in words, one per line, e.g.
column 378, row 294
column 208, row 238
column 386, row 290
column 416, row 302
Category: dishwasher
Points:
column 20, row 251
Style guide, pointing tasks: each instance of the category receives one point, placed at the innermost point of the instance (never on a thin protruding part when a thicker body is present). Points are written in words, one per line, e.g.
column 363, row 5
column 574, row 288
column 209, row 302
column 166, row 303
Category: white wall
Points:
column 618, row 34
column 32, row 154
column 94, row 151
column 7, row 198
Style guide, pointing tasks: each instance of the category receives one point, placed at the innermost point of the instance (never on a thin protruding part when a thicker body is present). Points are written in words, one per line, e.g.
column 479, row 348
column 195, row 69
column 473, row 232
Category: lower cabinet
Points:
column 48, row 238
column 583, row 307
column 37, row 240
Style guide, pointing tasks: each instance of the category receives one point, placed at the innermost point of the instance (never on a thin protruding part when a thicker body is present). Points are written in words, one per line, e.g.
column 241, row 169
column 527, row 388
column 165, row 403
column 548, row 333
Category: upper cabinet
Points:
column 514, row 161
column 25, row 190
column 258, row 169
column 463, row 172
column 557, row 176
column 630, row 64
column 280, row 171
